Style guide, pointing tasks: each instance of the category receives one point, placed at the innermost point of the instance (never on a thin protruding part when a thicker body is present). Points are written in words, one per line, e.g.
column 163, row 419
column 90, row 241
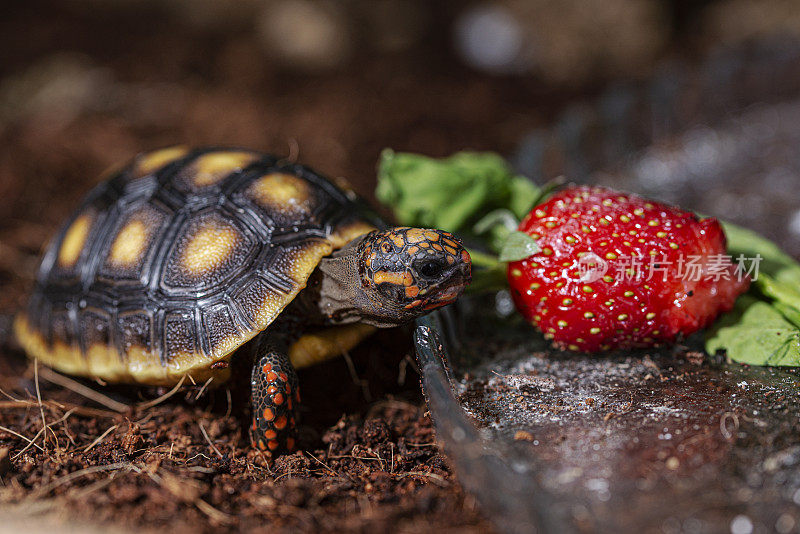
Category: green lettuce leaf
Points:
column 450, row 193
column 756, row 333
column 764, row 327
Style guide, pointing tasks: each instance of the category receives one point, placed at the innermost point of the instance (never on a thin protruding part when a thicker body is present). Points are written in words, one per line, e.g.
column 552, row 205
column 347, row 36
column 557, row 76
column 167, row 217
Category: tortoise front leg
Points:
column 275, row 396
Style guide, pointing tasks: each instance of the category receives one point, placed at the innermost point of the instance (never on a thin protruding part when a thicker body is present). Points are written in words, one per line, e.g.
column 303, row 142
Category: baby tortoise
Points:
column 184, row 256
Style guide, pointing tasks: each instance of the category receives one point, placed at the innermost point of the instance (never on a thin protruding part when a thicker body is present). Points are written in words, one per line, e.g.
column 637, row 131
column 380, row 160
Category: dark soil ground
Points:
column 366, row 463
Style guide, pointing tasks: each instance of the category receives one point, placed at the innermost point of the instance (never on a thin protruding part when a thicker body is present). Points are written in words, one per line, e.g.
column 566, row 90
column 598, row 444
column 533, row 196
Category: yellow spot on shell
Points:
column 211, row 168
column 209, row 247
column 281, row 191
column 129, row 244
column 74, row 239
column 155, row 160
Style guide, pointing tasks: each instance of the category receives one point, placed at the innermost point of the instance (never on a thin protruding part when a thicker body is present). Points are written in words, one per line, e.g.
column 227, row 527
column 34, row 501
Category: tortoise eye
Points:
column 430, row 269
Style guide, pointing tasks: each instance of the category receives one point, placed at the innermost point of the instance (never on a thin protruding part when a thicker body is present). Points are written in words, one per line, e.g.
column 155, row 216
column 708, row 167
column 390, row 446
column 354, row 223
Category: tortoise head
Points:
column 407, row 272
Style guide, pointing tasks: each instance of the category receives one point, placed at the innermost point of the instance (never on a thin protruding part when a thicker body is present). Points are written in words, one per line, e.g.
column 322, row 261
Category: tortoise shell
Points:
column 180, row 258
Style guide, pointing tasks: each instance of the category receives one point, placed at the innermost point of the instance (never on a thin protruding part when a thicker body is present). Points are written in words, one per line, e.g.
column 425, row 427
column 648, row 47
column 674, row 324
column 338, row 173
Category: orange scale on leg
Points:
column 290, row 443
column 273, row 444
column 280, row 422
column 283, row 376
column 289, row 403
column 271, row 376
column 272, row 389
column 278, row 399
column 270, row 434
column 267, row 367
column 262, row 445
column 269, row 415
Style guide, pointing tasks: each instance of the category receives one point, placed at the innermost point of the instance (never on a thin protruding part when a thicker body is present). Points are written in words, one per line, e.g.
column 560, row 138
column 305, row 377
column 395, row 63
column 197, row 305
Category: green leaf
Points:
column 450, row 193
column 518, row 246
column 756, row 333
column 786, row 294
column 774, row 262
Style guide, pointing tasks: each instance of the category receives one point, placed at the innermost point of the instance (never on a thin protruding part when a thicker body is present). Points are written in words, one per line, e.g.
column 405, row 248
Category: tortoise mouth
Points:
column 449, row 291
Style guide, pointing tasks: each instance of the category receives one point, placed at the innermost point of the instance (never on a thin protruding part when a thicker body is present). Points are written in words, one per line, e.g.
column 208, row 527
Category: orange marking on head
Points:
column 412, row 291
column 280, row 422
column 267, row 367
column 415, row 235
column 290, row 444
column 436, row 304
column 398, row 279
column 438, row 247
column 270, row 434
column 413, row 304
column 269, row 415
column 271, row 376
column 431, row 235
column 273, row 444
column 278, row 399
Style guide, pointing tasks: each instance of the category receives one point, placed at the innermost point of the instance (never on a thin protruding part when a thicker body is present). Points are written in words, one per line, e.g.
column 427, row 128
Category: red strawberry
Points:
column 666, row 273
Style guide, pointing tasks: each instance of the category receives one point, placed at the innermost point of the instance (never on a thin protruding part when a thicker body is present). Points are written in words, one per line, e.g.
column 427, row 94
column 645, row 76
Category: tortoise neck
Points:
column 338, row 287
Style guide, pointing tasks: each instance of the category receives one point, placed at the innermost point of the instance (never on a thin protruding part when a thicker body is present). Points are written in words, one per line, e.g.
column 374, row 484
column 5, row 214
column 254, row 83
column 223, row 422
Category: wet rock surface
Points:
column 651, row 442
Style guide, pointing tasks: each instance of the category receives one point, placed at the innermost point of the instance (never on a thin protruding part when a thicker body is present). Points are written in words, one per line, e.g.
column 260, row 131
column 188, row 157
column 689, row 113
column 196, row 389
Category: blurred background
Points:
column 690, row 101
